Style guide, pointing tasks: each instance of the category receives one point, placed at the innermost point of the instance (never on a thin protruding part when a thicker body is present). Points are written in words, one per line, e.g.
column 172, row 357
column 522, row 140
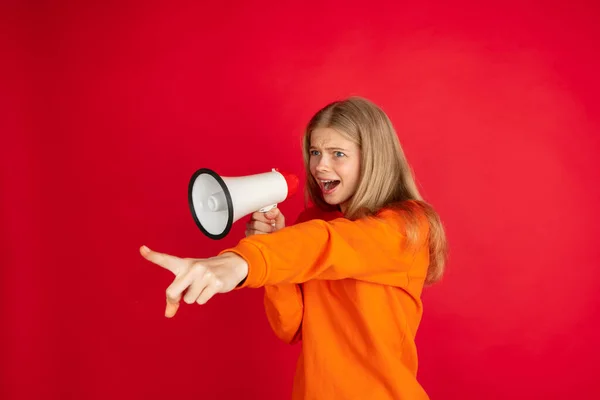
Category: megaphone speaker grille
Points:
column 211, row 204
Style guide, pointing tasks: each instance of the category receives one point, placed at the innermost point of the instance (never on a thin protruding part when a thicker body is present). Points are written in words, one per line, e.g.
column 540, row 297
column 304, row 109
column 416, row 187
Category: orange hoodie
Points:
column 350, row 291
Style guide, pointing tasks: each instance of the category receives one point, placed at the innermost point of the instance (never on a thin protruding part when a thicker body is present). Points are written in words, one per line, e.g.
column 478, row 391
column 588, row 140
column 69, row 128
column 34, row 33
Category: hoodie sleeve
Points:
column 284, row 304
column 372, row 249
column 284, row 307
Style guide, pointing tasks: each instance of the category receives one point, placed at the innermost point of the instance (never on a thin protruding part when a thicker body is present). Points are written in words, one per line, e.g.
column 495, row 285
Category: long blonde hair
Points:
column 386, row 179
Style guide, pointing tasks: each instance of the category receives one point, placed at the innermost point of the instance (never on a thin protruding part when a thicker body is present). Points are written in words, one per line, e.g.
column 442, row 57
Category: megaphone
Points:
column 217, row 202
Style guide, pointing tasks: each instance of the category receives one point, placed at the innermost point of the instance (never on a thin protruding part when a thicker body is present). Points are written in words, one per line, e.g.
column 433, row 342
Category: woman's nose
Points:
column 323, row 164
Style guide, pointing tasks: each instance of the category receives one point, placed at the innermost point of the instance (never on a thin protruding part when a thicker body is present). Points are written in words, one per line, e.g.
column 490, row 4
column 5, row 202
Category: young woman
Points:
column 346, row 279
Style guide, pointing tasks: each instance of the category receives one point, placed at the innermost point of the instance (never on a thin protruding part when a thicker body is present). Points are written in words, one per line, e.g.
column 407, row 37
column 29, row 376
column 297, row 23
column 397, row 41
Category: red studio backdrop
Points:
column 109, row 108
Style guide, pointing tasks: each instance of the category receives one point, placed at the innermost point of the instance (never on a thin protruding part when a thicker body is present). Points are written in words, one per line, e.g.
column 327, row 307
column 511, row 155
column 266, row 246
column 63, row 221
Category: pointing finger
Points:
column 164, row 260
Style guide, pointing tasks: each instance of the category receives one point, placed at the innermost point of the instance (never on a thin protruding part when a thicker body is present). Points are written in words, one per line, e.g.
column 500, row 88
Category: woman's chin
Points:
column 334, row 200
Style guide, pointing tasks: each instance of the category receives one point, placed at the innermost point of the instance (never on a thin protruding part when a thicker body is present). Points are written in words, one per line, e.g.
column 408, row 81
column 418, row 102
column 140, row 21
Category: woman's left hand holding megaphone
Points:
column 199, row 278
column 262, row 223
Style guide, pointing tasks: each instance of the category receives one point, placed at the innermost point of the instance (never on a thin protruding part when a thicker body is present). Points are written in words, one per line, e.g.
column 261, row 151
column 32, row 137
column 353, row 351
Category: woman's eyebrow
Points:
column 330, row 148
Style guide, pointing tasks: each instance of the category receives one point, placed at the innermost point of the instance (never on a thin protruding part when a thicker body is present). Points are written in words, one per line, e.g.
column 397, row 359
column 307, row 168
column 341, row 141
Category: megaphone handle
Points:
column 267, row 208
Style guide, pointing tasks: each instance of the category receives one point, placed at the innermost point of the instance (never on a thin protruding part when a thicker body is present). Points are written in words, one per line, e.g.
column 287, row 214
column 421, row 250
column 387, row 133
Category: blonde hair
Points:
column 386, row 179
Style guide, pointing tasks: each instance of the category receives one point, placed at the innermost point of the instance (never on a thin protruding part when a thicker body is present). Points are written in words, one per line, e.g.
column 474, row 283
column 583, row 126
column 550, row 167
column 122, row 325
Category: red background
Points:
column 109, row 109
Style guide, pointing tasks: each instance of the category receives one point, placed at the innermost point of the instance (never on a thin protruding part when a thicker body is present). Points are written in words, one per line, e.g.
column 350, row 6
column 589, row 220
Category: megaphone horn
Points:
column 217, row 202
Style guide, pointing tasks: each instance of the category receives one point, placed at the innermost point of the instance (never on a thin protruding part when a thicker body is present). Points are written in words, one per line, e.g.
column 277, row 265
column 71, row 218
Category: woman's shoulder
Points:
column 409, row 212
column 408, row 207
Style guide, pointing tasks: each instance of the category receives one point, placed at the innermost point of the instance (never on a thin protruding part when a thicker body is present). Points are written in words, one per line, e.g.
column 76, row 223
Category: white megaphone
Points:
column 217, row 202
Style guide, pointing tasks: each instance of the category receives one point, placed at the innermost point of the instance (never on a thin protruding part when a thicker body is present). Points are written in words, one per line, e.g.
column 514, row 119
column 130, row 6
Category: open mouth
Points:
column 329, row 185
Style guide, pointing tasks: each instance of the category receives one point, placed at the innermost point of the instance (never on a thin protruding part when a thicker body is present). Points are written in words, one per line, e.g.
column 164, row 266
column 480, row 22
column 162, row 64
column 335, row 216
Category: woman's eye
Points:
column 339, row 154
column 314, row 153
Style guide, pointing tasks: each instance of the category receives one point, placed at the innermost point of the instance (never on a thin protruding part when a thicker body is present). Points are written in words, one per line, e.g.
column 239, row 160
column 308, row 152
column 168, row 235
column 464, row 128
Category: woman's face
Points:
column 335, row 165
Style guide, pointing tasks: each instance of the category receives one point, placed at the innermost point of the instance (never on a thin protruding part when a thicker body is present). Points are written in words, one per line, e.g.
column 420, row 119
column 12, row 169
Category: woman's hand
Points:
column 261, row 223
column 200, row 279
